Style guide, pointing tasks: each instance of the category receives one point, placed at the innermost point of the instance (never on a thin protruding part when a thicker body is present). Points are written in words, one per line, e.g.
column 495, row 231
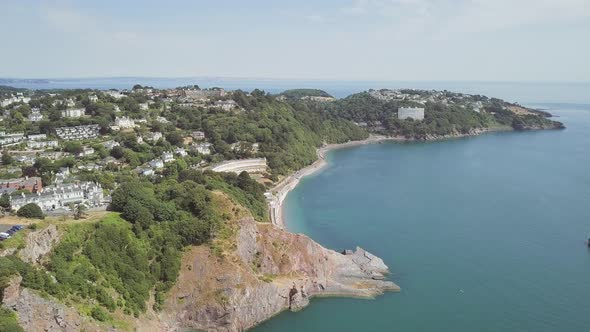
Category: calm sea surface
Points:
column 482, row 234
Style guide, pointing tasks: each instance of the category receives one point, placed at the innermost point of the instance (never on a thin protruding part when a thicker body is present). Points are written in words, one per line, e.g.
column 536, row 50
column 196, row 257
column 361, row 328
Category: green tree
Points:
column 80, row 211
column 30, row 210
column 6, row 158
column 73, row 147
column 99, row 314
column 5, row 201
column 175, row 138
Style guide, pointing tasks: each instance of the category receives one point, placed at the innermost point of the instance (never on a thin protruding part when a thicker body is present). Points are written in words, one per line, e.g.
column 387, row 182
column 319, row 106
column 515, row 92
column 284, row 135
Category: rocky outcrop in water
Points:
column 270, row 271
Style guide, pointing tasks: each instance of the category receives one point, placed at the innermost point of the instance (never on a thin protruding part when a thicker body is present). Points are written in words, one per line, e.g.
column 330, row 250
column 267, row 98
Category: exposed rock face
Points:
column 7, row 252
column 271, row 270
column 12, row 291
column 36, row 313
column 39, row 244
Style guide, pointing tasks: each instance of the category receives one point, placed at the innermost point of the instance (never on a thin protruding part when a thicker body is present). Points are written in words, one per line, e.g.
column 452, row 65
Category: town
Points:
column 65, row 149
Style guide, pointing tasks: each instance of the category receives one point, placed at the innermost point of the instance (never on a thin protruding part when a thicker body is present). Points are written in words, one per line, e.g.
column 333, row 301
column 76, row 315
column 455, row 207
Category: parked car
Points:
column 4, row 236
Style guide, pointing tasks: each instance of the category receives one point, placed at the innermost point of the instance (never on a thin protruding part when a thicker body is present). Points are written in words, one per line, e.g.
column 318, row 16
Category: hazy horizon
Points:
column 303, row 79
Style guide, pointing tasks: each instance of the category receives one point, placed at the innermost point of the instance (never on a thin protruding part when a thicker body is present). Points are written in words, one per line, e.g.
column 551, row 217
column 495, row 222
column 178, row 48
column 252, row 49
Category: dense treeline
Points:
column 287, row 136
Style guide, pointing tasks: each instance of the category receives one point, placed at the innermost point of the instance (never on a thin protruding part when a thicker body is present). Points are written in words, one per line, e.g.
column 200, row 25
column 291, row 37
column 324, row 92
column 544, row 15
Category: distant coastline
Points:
column 524, row 92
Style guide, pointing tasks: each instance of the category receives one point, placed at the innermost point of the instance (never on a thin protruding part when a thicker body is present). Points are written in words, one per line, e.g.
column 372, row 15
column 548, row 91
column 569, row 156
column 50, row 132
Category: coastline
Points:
column 279, row 192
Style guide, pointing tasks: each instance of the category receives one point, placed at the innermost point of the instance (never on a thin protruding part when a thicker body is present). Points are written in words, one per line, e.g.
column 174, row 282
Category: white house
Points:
column 90, row 167
column 93, row 98
column 115, row 94
column 167, row 157
column 62, row 174
column 157, row 163
column 145, row 171
column 202, row 148
column 198, row 135
column 86, row 151
column 12, row 138
column 35, row 116
column 225, row 105
column 153, row 136
column 36, row 137
column 162, row 119
column 42, row 144
column 19, row 97
column 110, row 144
column 73, row 113
column 124, row 122
column 181, row 152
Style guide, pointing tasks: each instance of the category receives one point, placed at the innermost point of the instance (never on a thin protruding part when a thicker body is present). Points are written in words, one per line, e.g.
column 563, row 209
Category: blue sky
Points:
column 484, row 40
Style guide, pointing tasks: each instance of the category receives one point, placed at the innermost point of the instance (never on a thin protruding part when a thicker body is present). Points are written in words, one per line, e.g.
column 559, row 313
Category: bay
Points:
column 484, row 233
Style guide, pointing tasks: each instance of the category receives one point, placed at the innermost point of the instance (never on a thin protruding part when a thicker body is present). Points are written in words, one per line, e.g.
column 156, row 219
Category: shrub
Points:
column 99, row 314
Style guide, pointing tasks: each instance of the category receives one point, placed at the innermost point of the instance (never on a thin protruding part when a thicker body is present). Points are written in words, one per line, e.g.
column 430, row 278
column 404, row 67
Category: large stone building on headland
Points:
column 416, row 113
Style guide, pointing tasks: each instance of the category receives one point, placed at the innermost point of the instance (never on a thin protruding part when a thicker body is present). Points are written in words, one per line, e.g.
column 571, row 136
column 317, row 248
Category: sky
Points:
column 414, row 40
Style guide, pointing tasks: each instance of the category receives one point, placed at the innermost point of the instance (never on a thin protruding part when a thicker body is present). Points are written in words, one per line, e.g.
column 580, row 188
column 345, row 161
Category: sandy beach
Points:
column 280, row 191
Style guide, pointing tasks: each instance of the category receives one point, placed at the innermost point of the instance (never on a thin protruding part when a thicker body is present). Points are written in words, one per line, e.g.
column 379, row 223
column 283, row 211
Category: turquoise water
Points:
column 482, row 234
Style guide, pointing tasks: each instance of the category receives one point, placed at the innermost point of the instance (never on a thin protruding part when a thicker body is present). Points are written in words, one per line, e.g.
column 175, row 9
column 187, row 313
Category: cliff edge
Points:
column 267, row 271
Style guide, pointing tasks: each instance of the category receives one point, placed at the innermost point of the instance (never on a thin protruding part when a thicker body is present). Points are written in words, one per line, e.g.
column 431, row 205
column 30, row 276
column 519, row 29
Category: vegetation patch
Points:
column 8, row 321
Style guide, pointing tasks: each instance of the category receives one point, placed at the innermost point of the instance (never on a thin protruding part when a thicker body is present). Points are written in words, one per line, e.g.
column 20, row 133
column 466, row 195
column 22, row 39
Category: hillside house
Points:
column 73, row 113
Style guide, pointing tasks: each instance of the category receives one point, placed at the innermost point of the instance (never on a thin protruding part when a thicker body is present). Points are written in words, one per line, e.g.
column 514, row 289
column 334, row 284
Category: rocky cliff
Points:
column 269, row 270
column 246, row 277
column 36, row 313
column 39, row 243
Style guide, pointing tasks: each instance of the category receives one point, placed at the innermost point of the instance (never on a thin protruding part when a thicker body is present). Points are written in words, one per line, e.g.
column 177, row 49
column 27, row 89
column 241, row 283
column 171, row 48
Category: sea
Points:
column 485, row 233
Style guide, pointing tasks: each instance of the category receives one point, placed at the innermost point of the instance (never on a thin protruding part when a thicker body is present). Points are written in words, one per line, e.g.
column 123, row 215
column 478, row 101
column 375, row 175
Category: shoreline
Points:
column 280, row 190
